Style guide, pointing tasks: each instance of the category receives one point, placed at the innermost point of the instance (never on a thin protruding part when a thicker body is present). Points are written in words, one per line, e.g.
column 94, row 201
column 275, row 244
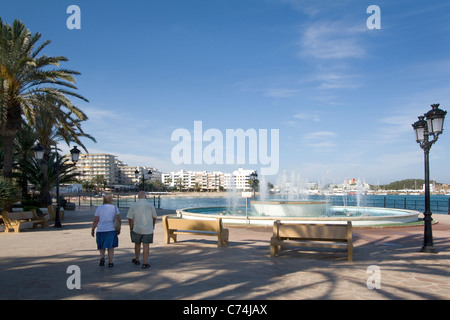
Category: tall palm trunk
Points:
column 44, row 194
column 8, row 148
column 8, row 131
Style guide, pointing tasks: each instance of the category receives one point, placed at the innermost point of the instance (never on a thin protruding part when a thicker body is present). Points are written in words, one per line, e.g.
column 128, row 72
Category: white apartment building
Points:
column 91, row 165
column 181, row 179
column 115, row 171
column 239, row 180
column 208, row 181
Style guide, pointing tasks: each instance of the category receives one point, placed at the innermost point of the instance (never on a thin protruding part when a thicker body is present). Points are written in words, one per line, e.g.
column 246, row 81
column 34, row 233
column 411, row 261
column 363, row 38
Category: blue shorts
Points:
column 107, row 240
column 141, row 238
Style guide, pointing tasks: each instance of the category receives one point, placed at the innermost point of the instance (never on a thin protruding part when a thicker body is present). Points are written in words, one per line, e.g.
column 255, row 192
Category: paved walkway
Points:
column 34, row 265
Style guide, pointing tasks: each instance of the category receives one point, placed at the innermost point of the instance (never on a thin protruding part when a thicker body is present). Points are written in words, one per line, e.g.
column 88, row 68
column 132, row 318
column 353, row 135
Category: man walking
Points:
column 142, row 218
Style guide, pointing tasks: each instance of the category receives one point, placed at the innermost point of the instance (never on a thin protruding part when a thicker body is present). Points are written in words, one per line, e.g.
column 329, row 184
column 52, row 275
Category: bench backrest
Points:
column 19, row 215
column 335, row 232
column 191, row 224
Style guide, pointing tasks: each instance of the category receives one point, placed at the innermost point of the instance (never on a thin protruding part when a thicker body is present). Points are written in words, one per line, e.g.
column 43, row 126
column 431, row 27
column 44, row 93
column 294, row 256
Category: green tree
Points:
column 87, row 186
column 24, row 152
column 34, row 169
column 8, row 192
column 99, row 181
column 49, row 130
column 26, row 79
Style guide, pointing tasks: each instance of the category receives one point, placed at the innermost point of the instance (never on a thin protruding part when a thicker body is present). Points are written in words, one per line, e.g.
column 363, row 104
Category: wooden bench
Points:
column 52, row 212
column 174, row 226
column 22, row 220
column 312, row 235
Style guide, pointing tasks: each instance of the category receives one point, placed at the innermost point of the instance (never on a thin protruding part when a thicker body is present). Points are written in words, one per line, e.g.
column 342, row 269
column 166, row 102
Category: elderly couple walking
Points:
column 141, row 217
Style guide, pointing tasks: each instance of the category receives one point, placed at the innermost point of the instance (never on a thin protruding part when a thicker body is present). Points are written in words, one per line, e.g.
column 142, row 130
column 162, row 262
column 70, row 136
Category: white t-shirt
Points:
column 107, row 214
column 142, row 214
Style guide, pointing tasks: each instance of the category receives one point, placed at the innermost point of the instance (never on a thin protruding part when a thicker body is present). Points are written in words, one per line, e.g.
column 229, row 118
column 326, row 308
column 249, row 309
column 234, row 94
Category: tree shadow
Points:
column 195, row 268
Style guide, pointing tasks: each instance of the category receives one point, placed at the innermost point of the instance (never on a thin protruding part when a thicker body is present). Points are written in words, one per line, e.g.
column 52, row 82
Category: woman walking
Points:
column 107, row 236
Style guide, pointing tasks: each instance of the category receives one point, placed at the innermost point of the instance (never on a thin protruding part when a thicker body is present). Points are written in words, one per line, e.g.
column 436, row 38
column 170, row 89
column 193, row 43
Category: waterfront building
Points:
column 97, row 164
column 208, row 181
column 180, row 179
column 114, row 171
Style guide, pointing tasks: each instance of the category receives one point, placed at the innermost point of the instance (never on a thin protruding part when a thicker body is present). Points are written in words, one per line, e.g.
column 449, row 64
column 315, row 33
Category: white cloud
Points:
column 319, row 135
column 99, row 114
column 281, row 92
column 331, row 40
column 304, row 116
column 320, row 141
column 334, row 80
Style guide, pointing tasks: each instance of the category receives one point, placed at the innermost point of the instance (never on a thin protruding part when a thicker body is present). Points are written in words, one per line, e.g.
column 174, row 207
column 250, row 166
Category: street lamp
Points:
column 75, row 153
column 433, row 126
column 38, row 152
column 39, row 155
column 136, row 174
column 253, row 178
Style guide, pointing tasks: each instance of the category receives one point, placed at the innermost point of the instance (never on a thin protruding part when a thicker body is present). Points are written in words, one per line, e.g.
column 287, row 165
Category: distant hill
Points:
column 413, row 184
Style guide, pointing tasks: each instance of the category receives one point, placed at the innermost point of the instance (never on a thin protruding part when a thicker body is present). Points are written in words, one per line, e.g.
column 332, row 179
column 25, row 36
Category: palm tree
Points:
column 99, row 181
column 33, row 170
column 50, row 128
column 24, row 145
column 8, row 192
column 26, row 80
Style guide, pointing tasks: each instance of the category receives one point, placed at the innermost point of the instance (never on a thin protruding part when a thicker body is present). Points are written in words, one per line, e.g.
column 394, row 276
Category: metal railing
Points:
column 437, row 206
column 118, row 200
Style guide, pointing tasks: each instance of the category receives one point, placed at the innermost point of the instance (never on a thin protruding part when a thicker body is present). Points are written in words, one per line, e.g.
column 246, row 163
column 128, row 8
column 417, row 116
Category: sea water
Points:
column 439, row 203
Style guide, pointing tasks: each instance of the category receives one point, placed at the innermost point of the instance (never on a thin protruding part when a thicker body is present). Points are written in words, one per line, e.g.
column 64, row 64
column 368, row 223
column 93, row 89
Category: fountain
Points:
column 291, row 208
column 295, row 206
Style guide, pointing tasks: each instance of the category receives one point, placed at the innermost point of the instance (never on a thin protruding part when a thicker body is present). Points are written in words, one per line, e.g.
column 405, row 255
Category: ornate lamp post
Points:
column 253, row 179
column 39, row 155
column 75, row 153
column 136, row 174
column 433, row 126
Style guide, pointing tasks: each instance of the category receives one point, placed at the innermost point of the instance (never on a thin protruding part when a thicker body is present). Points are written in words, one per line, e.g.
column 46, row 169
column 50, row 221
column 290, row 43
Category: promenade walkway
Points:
column 34, row 263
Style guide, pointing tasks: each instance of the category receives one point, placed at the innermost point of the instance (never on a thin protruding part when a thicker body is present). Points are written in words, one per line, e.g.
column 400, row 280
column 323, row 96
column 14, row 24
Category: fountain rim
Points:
column 364, row 219
column 290, row 202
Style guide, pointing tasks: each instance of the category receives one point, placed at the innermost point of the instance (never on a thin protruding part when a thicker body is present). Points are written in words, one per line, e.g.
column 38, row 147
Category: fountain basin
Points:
column 291, row 208
column 360, row 216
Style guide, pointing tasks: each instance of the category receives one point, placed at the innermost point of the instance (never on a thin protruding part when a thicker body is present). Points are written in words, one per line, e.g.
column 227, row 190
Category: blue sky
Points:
column 343, row 97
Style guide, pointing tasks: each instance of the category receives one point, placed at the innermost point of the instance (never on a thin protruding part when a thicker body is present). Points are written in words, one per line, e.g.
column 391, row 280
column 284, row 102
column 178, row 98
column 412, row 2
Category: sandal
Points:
column 102, row 262
column 136, row 262
column 145, row 266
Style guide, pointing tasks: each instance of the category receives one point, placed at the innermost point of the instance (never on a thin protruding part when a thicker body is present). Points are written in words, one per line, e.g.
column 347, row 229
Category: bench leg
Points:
column 170, row 235
column 223, row 241
column 166, row 237
column 350, row 253
column 274, row 247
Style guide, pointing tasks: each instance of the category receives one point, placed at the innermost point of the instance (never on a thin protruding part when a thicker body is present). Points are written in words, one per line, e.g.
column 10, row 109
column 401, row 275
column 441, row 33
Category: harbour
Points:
column 172, row 201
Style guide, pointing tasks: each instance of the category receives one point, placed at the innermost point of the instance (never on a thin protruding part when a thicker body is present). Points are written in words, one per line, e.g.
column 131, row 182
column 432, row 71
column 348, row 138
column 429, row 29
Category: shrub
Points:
column 8, row 192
